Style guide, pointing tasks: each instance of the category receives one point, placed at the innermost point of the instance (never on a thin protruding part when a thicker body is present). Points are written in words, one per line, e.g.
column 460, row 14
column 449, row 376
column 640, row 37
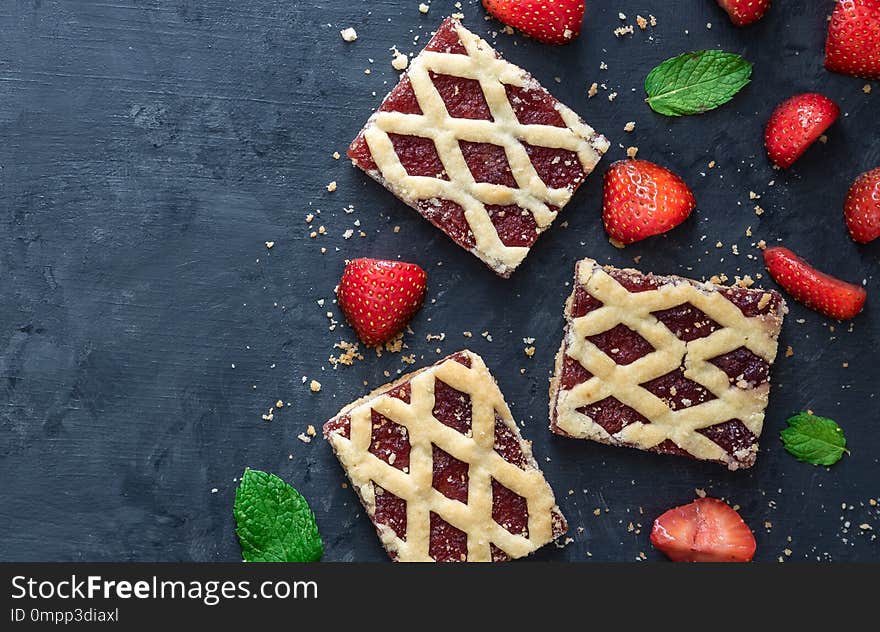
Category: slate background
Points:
column 150, row 148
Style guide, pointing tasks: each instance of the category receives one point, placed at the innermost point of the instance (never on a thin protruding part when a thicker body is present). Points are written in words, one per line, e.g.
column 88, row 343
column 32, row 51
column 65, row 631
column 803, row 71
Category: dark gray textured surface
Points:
column 150, row 148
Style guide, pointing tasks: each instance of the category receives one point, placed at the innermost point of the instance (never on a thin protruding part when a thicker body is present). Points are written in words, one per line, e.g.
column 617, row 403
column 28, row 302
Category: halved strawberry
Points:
column 642, row 199
column 796, row 124
column 817, row 290
column 862, row 207
column 379, row 297
column 745, row 12
column 706, row 530
column 853, row 43
column 553, row 22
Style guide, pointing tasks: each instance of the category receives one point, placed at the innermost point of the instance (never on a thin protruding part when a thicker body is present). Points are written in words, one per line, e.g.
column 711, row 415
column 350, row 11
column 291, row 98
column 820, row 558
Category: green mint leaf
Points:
column 274, row 522
column 814, row 439
column 693, row 83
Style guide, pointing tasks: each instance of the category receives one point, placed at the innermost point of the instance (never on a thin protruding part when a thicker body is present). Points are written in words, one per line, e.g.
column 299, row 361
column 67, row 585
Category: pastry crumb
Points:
column 789, row 351
column 332, row 186
column 423, row 8
column 315, row 386
column 270, row 245
column 642, row 22
column 399, row 61
column 593, row 91
column 629, row 126
column 632, row 152
column 348, row 34
column 866, row 88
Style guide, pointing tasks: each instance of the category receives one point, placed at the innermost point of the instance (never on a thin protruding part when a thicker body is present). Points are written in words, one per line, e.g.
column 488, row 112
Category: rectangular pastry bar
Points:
column 441, row 469
column 665, row 364
column 478, row 147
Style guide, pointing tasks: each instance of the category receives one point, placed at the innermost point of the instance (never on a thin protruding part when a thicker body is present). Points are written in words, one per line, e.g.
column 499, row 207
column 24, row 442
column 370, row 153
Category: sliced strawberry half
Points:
column 862, row 207
column 380, row 297
column 706, row 530
column 745, row 12
column 553, row 22
column 796, row 124
column 817, row 290
column 642, row 199
column 853, row 43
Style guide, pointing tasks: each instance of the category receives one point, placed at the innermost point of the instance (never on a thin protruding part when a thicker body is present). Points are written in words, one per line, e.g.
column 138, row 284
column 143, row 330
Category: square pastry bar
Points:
column 665, row 364
column 477, row 147
column 441, row 469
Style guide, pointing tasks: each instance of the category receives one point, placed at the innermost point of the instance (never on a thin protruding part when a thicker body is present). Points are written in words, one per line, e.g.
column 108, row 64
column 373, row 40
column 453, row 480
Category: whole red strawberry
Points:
column 796, row 124
column 706, row 530
column 862, row 207
column 379, row 297
column 642, row 199
column 817, row 290
column 554, row 22
column 853, row 43
column 745, row 12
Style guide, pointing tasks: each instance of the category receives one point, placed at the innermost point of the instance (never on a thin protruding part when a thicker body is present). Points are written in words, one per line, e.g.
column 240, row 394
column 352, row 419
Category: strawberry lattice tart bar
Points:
column 665, row 364
column 442, row 470
column 478, row 147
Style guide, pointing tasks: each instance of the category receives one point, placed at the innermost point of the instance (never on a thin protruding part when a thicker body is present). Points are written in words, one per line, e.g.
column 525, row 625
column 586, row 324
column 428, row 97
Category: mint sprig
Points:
column 274, row 522
column 814, row 439
column 696, row 82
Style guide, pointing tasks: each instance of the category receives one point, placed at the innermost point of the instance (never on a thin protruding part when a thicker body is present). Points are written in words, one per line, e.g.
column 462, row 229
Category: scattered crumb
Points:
column 620, row 31
column 629, row 126
column 348, row 356
column 399, row 61
column 336, row 155
column 593, row 91
column 758, row 210
column 612, row 96
column 789, row 351
column 348, row 34
column 423, row 8
column 467, row 334
column 310, row 430
column 332, row 186
column 269, row 245
column 631, row 152
column 653, row 20
column 701, row 493
column 304, row 437
column 315, row 386
column 867, row 88
column 529, row 351
column 712, row 164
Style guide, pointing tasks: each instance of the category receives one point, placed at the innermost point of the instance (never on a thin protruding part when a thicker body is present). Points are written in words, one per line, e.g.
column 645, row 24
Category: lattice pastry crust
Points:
column 508, row 155
column 666, row 364
column 441, row 468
